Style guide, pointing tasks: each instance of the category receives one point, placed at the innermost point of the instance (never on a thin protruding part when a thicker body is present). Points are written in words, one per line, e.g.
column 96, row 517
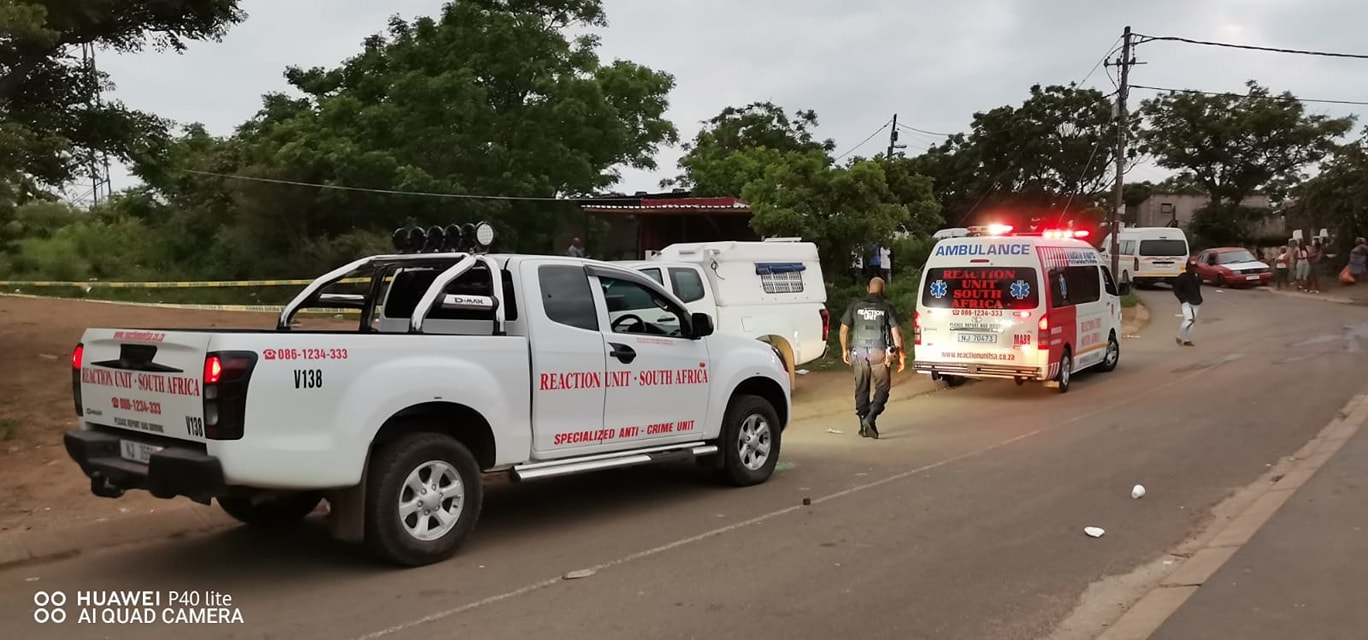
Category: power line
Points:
column 426, row 194
column 1304, row 52
column 930, row 133
column 863, row 142
column 1241, row 95
column 1101, row 61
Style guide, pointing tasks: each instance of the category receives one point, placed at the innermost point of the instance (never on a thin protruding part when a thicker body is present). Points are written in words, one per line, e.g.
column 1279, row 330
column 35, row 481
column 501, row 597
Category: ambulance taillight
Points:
column 916, row 327
column 1044, row 333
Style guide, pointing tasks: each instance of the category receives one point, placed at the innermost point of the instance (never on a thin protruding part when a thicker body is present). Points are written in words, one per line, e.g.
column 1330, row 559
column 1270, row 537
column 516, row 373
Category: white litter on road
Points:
column 1094, row 532
column 581, row 573
column 802, row 372
column 1138, row 491
column 836, row 431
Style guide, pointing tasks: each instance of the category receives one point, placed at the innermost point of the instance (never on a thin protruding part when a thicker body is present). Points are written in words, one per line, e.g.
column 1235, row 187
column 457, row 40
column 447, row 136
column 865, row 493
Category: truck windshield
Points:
column 1163, row 248
column 1014, row 288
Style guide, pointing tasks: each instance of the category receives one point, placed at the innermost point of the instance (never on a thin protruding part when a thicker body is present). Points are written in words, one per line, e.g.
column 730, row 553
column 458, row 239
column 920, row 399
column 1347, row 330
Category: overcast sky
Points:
column 932, row 63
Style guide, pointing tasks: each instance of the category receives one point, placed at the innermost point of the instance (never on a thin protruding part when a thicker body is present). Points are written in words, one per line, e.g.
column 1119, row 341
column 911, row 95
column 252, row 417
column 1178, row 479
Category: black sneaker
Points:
column 868, row 430
column 864, row 428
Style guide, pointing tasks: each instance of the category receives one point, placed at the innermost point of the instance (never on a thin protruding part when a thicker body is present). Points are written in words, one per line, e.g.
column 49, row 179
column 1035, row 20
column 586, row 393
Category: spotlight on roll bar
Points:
column 453, row 238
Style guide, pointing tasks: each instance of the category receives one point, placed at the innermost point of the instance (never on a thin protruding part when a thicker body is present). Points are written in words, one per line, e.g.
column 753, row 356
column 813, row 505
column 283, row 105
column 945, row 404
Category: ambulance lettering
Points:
column 994, row 249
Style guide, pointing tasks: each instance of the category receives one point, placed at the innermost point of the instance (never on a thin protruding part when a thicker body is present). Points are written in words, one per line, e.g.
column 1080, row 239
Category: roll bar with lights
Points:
column 1008, row 230
column 418, row 248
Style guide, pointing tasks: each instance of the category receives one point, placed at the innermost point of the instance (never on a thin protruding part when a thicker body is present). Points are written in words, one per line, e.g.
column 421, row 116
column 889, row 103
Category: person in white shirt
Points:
column 886, row 264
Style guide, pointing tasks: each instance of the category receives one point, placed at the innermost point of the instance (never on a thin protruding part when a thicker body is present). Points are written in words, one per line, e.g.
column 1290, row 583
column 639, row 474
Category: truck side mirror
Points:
column 702, row 325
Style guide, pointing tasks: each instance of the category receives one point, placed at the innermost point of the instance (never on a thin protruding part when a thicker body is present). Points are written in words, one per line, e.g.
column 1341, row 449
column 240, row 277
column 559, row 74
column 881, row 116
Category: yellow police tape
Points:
column 253, row 308
column 193, row 284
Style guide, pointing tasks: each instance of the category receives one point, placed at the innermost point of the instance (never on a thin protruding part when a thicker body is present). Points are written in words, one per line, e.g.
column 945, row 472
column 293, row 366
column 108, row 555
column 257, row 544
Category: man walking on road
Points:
column 870, row 336
column 1187, row 287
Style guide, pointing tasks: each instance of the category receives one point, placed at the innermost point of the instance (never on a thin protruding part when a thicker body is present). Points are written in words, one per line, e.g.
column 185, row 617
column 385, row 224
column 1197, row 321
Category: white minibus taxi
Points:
column 1148, row 255
column 1038, row 307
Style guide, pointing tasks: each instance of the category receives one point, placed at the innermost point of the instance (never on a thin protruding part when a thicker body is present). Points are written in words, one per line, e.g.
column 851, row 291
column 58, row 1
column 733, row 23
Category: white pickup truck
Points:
column 462, row 364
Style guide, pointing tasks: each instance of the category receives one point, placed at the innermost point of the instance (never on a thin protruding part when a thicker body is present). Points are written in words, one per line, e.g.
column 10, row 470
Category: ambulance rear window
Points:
column 1014, row 288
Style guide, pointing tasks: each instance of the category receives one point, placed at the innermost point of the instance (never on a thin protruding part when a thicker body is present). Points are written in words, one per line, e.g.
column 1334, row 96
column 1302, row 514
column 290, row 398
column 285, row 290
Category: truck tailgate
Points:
column 149, row 381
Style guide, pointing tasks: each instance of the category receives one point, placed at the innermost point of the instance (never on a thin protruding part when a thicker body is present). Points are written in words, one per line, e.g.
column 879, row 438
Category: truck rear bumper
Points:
column 170, row 472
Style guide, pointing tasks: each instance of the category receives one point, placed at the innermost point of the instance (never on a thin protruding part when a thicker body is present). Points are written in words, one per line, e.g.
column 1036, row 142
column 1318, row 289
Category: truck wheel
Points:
column 274, row 511
column 1113, row 355
column 750, row 441
column 422, row 499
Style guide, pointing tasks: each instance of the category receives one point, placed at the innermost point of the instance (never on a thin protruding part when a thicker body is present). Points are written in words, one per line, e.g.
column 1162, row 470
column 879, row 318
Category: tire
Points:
column 1019, row 381
column 272, row 512
column 750, row 423
column 954, row 381
column 1065, row 377
column 426, row 460
column 1112, row 356
column 1221, row 280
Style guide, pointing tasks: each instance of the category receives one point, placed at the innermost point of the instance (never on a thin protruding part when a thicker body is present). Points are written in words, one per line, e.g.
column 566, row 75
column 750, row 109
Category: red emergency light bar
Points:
column 1059, row 233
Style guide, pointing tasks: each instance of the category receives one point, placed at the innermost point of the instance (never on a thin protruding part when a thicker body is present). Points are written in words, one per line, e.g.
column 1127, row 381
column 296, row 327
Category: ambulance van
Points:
column 1020, row 307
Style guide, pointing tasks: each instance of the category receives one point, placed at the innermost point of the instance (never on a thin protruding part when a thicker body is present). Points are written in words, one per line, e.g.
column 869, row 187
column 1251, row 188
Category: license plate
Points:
column 978, row 338
column 1251, row 277
column 137, row 451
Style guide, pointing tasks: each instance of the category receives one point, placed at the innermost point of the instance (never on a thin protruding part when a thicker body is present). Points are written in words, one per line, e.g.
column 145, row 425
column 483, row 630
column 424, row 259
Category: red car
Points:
column 1232, row 267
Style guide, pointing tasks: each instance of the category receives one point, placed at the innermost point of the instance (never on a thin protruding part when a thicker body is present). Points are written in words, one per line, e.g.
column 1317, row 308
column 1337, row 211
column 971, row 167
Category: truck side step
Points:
column 615, row 460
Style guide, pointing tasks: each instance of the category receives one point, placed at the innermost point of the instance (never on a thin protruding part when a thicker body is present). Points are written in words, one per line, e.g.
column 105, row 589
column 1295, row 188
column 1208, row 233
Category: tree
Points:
column 915, row 192
column 1237, row 145
column 1337, row 198
column 489, row 97
column 52, row 121
column 709, row 168
column 1053, row 151
column 839, row 209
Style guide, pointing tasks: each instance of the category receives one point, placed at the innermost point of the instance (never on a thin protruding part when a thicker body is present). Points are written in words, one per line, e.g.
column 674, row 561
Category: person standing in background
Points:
column 1300, row 266
column 1358, row 260
column 1281, row 267
column 885, row 263
column 1314, row 257
column 576, row 249
column 1187, row 287
column 874, row 266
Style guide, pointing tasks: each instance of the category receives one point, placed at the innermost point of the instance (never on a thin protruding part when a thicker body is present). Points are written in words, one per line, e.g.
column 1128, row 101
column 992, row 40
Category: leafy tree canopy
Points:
column 708, row 166
column 1237, row 145
column 50, row 120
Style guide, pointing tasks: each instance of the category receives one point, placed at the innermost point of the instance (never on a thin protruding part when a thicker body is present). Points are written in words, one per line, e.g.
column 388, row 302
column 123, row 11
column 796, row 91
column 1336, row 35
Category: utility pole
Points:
column 893, row 139
column 1122, row 119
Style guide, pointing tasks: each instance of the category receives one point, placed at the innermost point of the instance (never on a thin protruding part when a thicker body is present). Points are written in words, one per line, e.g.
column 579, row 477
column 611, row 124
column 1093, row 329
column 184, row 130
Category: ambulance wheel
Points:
column 423, row 498
column 953, row 381
column 1019, row 380
column 1065, row 371
column 1113, row 355
column 271, row 512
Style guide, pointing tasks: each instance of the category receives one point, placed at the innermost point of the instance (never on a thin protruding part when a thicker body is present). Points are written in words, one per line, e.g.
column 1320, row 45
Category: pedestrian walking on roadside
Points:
column 1358, row 260
column 1187, row 287
column 870, row 337
column 1281, row 267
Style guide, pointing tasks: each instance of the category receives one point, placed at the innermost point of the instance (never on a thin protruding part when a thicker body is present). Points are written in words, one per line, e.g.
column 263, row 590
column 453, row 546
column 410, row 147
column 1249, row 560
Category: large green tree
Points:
column 1237, row 145
column 1337, row 198
column 489, row 97
column 1053, row 150
column 839, row 208
column 51, row 122
column 711, row 165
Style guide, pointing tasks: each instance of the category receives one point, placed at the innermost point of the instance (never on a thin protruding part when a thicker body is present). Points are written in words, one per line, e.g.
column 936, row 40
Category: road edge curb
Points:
column 24, row 548
column 1143, row 618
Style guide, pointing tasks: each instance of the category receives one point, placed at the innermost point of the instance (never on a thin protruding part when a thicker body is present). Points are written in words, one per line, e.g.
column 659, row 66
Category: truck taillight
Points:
column 226, row 377
column 77, row 357
column 826, row 324
column 916, row 327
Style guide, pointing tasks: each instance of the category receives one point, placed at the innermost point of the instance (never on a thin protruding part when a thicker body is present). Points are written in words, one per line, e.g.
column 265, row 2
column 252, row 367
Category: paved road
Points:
column 964, row 521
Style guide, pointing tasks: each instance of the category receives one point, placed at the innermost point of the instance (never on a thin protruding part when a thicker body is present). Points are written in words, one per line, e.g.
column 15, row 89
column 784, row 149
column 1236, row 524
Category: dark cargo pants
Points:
column 871, row 366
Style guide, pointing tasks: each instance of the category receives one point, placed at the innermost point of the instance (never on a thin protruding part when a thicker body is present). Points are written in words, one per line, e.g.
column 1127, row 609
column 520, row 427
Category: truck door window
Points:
column 633, row 308
column 566, row 296
column 688, row 285
column 653, row 274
